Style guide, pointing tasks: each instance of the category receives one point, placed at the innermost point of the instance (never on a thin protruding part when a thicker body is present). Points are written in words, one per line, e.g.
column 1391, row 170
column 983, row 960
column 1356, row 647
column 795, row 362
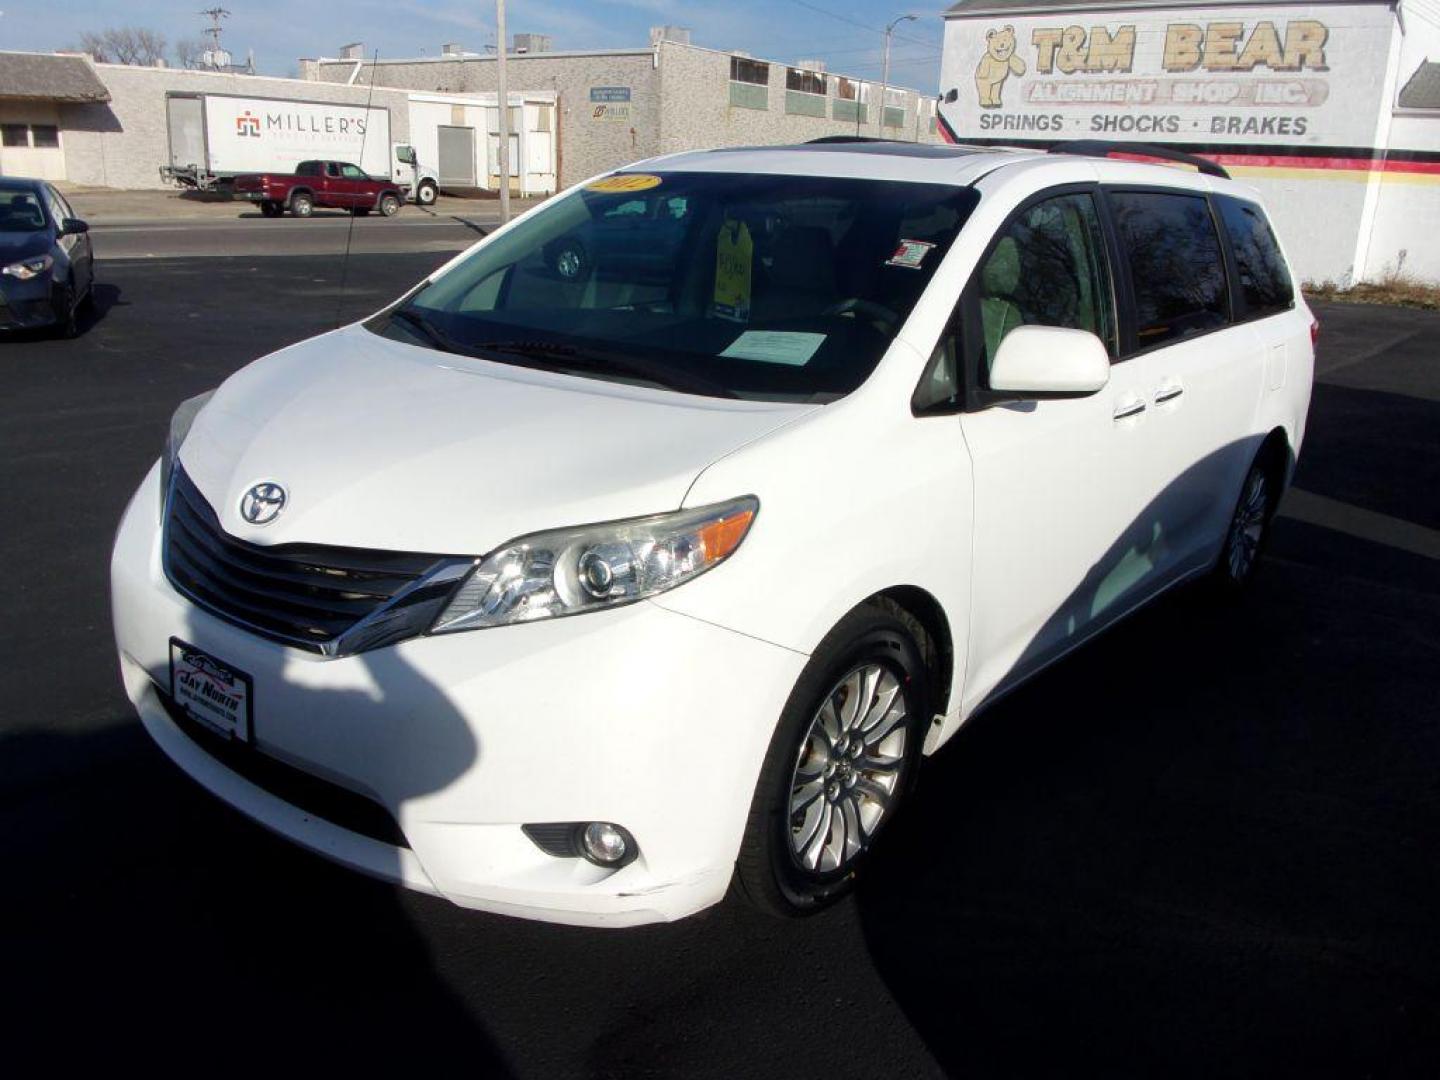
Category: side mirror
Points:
column 405, row 155
column 1050, row 361
column 73, row 227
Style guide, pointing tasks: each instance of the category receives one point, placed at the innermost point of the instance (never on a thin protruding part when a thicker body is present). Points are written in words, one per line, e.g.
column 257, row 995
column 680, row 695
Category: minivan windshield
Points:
column 759, row 286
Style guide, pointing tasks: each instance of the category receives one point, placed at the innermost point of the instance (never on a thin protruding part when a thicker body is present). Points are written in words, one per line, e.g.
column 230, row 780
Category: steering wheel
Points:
column 878, row 314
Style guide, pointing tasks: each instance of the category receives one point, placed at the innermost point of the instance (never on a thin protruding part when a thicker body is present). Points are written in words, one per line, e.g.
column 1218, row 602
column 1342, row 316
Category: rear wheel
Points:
column 840, row 763
column 302, row 205
column 1249, row 528
column 389, row 204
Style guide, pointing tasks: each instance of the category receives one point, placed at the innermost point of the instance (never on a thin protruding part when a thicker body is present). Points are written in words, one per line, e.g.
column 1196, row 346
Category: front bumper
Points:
column 27, row 305
column 650, row 719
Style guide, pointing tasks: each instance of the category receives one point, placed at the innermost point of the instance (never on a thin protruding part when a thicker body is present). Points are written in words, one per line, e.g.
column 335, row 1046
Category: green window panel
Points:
column 849, row 111
column 801, row 104
column 749, row 96
column 894, row 117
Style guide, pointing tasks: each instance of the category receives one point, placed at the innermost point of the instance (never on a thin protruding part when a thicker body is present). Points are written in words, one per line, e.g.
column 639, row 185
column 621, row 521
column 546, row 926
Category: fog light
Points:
column 605, row 844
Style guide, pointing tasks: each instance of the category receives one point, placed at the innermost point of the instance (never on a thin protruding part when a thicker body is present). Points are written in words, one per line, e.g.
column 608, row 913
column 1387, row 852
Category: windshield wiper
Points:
column 428, row 330
column 599, row 360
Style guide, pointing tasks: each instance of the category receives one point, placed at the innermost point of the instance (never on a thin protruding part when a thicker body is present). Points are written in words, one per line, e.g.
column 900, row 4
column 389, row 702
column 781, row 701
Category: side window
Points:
column 352, row 172
column 308, row 168
column 1049, row 268
column 53, row 204
column 332, row 169
column 1175, row 264
column 1264, row 279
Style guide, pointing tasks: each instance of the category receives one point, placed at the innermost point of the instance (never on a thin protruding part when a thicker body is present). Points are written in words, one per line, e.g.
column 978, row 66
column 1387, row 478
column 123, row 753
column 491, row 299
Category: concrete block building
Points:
column 618, row 105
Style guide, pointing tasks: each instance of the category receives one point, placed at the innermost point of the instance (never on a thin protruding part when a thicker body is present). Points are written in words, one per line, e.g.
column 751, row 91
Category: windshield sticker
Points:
column 775, row 347
column 734, row 253
column 625, row 182
column 910, row 254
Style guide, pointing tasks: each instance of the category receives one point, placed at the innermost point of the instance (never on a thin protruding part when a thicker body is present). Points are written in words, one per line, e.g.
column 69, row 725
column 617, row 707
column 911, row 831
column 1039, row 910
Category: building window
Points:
column 749, row 83
column 804, row 82
column 14, row 135
column 745, row 70
column 894, row 115
column 851, row 98
column 46, row 136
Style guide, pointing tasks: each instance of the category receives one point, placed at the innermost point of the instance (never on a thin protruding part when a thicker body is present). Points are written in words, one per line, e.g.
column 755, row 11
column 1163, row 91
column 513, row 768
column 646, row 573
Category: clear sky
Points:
column 843, row 33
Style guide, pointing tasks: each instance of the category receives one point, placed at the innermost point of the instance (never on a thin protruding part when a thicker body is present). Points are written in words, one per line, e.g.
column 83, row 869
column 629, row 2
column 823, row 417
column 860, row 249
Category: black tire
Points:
column 389, row 204
column 302, row 204
column 1248, row 534
column 769, row 872
column 361, row 211
column 67, row 321
column 426, row 194
column 270, row 208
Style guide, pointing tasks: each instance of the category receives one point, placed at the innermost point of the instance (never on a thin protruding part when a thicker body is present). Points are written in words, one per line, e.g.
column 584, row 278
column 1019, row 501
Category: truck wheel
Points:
column 361, row 211
column 389, row 204
column 426, row 194
column 270, row 208
column 302, row 205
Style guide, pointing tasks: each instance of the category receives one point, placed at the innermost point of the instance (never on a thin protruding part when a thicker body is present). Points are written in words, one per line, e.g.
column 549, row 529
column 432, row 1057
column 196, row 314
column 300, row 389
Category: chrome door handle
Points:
column 1134, row 408
column 1168, row 393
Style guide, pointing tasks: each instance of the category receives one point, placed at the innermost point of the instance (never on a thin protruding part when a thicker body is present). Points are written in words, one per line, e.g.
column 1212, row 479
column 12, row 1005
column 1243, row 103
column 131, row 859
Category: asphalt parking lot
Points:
column 1202, row 846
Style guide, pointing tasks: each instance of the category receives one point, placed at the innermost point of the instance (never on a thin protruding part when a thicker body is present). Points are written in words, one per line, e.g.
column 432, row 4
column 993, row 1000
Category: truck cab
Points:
column 417, row 181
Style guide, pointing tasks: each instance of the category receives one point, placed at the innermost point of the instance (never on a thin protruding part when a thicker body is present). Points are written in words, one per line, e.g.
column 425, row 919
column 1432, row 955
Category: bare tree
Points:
column 125, row 45
column 189, row 52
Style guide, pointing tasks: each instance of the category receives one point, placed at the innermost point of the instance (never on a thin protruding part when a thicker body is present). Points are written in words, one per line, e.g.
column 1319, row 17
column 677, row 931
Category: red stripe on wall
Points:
column 1300, row 161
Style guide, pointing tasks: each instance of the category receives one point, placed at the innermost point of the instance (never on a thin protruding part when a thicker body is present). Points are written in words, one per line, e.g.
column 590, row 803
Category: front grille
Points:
column 319, row 798
column 307, row 595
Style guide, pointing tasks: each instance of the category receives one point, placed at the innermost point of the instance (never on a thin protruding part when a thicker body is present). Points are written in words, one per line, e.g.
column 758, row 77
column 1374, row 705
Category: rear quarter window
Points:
column 1176, row 268
column 1265, row 285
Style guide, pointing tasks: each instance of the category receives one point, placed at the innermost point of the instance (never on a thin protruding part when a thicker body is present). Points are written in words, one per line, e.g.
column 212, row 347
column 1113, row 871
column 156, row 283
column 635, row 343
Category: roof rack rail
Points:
column 847, row 139
column 1109, row 148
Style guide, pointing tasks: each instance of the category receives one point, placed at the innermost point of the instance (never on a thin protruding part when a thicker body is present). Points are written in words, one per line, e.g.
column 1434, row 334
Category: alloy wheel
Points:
column 1248, row 526
column 848, row 769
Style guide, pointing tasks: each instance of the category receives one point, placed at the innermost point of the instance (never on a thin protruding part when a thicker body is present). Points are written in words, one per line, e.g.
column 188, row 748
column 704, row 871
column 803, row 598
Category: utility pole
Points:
column 503, row 99
column 885, row 68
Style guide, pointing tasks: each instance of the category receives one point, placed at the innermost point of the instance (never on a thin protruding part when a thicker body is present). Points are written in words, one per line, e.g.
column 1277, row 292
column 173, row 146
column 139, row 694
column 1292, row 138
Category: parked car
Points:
column 335, row 184
column 575, row 596
column 47, row 263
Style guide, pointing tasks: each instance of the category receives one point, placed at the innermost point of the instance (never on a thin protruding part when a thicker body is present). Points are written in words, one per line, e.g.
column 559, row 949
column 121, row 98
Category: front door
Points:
column 1062, row 540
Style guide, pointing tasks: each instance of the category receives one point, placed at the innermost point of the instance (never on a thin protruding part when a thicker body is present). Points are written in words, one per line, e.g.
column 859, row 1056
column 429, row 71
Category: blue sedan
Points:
column 47, row 263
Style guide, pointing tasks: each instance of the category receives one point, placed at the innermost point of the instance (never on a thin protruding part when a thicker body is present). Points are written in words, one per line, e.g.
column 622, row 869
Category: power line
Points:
column 856, row 23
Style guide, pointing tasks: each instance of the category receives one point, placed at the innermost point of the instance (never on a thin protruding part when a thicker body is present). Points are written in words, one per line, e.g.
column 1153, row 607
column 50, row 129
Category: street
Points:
column 1203, row 845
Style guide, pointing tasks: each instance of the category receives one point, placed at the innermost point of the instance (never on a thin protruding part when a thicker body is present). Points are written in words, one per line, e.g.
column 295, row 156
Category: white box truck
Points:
column 217, row 137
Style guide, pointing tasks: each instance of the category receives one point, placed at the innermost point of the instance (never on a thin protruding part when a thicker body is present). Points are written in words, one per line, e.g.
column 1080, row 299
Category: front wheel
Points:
column 840, row 763
column 426, row 194
column 389, row 205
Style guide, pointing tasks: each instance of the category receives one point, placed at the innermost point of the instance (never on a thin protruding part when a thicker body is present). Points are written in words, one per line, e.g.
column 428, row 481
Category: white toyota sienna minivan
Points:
column 651, row 542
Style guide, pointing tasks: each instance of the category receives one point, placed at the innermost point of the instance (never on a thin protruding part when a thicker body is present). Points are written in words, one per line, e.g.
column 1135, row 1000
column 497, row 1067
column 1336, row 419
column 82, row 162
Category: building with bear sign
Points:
column 1331, row 108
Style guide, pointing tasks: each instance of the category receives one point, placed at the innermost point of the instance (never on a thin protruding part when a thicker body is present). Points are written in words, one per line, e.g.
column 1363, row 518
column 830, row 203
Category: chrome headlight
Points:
column 568, row 571
column 26, row 269
column 180, row 424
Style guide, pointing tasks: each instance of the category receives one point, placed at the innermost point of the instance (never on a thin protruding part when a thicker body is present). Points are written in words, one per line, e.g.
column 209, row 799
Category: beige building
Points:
column 619, row 105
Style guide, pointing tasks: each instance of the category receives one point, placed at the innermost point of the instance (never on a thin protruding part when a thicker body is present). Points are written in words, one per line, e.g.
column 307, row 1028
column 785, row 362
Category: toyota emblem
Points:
column 262, row 503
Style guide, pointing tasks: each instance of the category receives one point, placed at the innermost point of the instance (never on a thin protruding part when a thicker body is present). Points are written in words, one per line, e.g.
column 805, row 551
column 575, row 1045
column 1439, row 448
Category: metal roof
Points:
column 1422, row 91
column 969, row 8
column 49, row 77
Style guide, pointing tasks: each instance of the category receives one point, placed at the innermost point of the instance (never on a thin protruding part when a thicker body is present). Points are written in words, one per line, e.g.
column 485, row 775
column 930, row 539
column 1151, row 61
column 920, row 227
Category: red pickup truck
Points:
column 335, row 184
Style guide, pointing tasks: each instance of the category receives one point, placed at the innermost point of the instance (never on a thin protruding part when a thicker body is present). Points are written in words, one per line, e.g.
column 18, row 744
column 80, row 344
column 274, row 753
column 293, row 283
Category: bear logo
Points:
column 997, row 65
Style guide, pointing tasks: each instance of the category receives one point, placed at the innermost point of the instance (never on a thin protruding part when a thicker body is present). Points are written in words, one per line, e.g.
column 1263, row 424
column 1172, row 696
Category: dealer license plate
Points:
column 210, row 690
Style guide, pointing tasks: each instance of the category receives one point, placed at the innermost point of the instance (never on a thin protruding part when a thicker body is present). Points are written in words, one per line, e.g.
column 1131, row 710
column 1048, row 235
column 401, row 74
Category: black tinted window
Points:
column 1175, row 264
column 1048, row 269
column 1264, row 279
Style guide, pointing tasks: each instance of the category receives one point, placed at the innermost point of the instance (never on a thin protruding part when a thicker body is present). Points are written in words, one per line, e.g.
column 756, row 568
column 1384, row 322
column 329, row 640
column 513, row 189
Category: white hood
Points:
column 381, row 444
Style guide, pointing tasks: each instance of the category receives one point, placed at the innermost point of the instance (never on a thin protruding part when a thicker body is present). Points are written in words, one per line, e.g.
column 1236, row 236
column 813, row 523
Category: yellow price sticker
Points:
column 625, row 182
column 734, row 254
